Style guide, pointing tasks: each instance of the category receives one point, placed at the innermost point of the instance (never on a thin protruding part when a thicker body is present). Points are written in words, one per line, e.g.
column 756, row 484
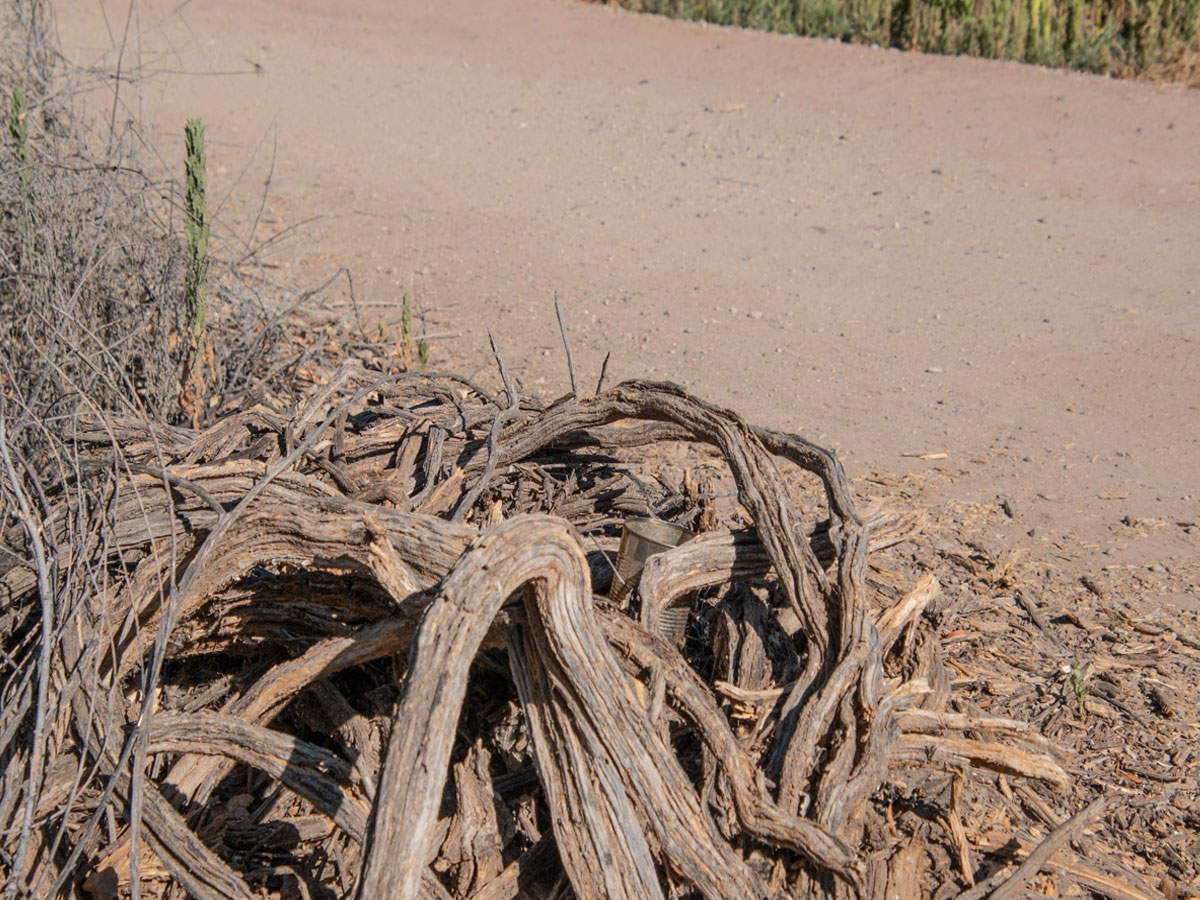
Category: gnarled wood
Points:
column 312, row 552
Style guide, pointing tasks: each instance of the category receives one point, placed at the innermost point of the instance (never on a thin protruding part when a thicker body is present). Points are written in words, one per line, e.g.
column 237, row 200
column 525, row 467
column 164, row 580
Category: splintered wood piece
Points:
column 960, row 752
column 520, row 871
column 905, row 873
column 1004, row 885
column 471, row 852
column 319, row 776
column 896, row 618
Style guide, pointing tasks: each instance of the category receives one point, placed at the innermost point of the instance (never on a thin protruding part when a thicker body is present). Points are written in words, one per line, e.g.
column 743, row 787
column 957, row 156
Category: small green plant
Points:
column 407, row 343
column 198, row 364
column 1079, row 686
column 18, row 131
column 406, row 325
column 196, row 200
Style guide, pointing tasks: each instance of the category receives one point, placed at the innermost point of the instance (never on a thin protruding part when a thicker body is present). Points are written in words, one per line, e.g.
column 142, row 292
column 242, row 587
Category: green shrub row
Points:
column 1115, row 36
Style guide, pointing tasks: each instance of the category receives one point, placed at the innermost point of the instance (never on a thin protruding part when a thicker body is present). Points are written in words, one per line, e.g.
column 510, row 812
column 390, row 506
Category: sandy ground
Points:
column 890, row 253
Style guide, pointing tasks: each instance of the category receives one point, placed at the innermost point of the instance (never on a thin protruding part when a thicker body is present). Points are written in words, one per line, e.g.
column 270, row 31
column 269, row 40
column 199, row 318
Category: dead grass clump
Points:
column 87, row 266
column 94, row 273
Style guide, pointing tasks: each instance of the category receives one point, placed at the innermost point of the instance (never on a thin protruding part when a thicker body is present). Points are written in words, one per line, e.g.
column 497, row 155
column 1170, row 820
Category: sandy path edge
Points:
column 888, row 252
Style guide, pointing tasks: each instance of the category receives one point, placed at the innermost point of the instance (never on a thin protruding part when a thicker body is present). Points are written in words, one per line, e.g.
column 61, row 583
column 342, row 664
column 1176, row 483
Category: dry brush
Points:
column 361, row 649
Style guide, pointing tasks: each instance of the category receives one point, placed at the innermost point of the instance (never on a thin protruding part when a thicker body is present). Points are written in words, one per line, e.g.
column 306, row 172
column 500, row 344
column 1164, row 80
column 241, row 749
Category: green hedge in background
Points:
column 1123, row 37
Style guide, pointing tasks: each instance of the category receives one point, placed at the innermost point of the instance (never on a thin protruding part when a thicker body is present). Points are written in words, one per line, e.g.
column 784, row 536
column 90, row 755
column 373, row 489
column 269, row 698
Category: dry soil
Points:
column 993, row 266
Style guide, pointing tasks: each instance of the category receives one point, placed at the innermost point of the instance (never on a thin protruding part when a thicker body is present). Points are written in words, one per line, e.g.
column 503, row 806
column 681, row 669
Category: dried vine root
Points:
column 287, row 620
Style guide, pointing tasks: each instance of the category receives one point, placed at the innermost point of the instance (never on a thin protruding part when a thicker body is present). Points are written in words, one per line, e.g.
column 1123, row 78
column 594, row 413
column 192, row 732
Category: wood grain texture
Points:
column 265, row 601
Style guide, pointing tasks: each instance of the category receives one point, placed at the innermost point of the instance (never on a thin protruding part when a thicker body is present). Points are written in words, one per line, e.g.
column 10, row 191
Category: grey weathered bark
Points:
column 296, row 549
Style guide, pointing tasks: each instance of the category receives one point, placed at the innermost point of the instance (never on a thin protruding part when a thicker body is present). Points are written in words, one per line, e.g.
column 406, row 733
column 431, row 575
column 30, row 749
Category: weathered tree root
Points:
column 298, row 551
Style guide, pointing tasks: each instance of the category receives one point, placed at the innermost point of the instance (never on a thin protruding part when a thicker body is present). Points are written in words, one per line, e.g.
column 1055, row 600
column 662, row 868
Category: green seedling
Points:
column 196, row 200
column 407, row 344
column 1079, row 686
column 406, row 327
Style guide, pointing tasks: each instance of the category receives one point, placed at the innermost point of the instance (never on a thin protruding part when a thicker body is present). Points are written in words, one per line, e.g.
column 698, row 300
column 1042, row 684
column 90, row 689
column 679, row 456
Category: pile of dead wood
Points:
column 361, row 649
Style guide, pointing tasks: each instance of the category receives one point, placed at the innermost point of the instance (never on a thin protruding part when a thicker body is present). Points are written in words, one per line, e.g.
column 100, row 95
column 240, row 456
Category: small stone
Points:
column 935, row 370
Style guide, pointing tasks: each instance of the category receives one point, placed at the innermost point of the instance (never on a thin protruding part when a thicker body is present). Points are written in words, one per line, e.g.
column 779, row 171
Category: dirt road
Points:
column 890, row 253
